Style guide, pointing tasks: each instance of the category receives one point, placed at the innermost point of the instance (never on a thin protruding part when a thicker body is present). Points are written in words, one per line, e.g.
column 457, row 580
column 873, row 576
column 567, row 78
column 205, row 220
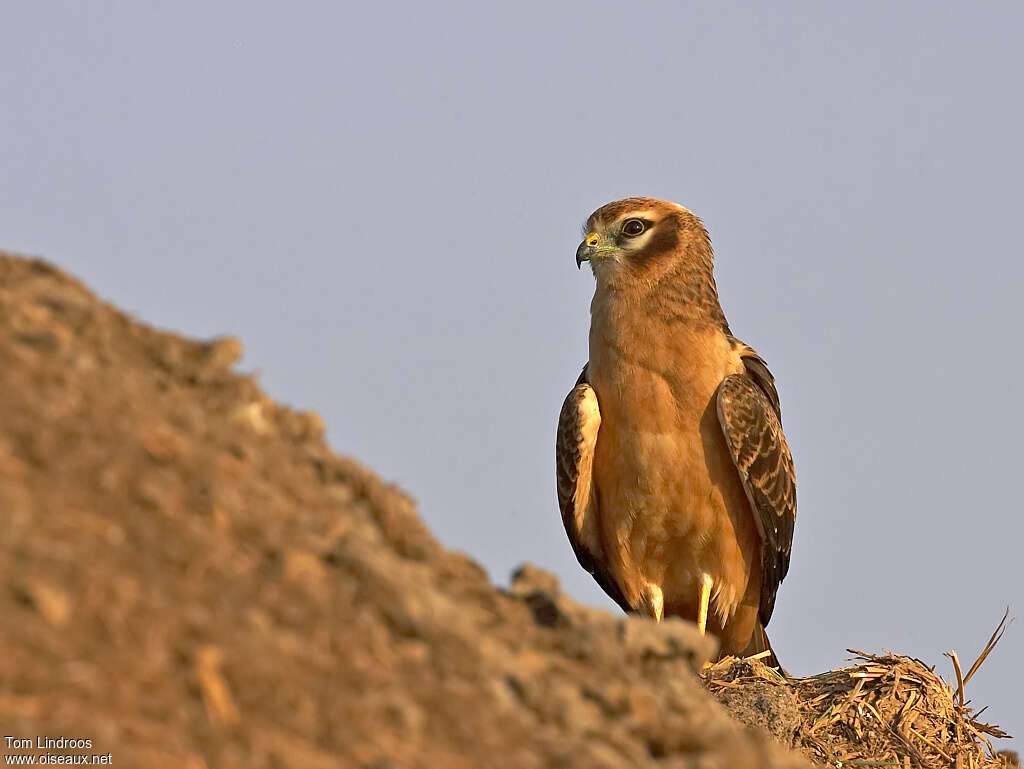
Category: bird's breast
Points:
column 669, row 494
column 656, row 374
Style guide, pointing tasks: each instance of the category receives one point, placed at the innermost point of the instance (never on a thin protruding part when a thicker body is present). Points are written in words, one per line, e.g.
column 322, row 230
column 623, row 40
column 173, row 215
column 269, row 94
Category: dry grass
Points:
column 882, row 711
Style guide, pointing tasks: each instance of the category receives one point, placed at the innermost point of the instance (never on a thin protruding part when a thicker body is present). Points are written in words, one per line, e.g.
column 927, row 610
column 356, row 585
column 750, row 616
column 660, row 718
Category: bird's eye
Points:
column 633, row 227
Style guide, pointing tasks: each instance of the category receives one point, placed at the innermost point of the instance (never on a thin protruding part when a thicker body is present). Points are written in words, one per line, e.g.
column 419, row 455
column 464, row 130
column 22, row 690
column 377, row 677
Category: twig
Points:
column 992, row 641
column 959, row 676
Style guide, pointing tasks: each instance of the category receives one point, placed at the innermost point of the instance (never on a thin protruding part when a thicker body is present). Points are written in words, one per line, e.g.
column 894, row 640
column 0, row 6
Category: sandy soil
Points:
column 189, row 577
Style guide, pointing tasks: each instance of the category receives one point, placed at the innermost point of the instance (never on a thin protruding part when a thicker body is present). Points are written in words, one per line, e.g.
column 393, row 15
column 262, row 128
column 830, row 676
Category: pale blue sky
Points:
column 384, row 201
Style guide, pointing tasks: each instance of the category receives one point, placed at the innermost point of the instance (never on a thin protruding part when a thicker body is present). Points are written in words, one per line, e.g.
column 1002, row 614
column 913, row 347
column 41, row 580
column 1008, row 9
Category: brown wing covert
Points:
column 750, row 422
column 574, row 453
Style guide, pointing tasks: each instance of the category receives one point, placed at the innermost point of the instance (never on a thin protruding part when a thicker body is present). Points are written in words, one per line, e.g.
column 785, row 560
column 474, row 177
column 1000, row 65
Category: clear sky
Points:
column 384, row 202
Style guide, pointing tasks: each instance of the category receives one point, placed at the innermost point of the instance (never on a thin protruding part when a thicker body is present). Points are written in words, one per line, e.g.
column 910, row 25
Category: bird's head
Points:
column 643, row 238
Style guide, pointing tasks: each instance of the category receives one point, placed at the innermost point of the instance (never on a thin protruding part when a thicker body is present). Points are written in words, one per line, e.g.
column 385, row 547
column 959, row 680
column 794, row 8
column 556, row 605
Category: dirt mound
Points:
column 883, row 710
column 190, row 578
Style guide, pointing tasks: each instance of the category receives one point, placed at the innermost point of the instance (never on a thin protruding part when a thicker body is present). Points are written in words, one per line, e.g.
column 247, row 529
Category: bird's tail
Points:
column 760, row 643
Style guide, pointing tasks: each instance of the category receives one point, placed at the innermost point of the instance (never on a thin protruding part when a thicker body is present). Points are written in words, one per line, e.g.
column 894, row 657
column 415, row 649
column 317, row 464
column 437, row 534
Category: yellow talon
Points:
column 702, row 605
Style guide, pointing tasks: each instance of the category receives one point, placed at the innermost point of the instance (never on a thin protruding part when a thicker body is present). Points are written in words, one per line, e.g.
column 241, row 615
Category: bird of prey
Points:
column 675, row 482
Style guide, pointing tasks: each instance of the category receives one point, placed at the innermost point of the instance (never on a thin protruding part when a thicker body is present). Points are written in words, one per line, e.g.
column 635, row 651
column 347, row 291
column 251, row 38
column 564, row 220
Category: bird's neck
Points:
column 674, row 343
column 686, row 297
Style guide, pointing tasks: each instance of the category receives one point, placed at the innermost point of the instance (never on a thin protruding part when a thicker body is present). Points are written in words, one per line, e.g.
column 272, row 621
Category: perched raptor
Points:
column 675, row 483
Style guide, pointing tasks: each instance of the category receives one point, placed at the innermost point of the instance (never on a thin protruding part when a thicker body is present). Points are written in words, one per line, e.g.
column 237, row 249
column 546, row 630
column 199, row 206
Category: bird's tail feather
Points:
column 760, row 643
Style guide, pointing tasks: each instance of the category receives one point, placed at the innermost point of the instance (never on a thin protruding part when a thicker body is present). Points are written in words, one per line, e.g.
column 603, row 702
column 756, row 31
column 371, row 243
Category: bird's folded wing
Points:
column 578, row 425
column 750, row 421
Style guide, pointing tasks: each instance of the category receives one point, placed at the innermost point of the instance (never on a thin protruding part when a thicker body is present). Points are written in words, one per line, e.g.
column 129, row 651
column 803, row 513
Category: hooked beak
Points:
column 589, row 248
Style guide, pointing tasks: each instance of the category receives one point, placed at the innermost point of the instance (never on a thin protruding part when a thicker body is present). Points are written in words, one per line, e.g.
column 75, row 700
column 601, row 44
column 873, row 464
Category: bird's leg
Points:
column 702, row 603
column 652, row 602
